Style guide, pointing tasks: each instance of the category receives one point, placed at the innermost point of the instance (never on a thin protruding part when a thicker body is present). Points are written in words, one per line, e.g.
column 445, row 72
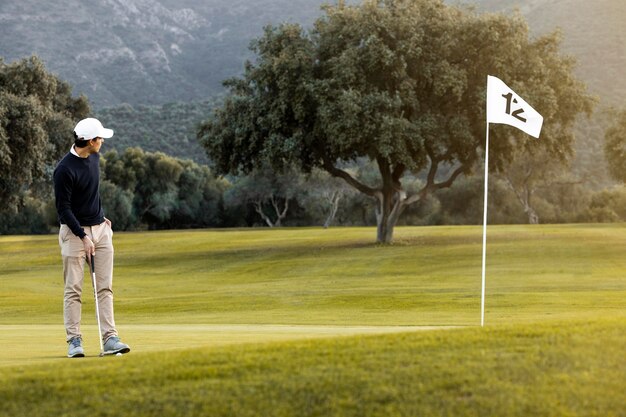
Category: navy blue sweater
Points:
column 77, row 192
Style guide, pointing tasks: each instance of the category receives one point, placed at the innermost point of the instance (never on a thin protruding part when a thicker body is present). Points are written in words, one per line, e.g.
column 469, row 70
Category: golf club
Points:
column 95, row 296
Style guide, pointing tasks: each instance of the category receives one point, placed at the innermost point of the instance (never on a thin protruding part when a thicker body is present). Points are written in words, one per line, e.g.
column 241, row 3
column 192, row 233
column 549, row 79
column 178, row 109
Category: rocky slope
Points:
column 158, row 51
column 140, row 51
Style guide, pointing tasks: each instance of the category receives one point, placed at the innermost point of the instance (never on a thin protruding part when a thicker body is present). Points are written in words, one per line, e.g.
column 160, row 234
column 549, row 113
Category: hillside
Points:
column 593, row 32
column 145, row 52
column 169, row 128
column 142, row 51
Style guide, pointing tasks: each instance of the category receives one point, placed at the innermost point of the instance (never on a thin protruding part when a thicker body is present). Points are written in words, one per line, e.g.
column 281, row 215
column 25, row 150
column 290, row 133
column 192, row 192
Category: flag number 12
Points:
column 517, row 113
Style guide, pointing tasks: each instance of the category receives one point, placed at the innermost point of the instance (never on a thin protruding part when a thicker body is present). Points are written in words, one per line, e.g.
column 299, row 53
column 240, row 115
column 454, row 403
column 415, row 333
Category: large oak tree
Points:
column 401, row 82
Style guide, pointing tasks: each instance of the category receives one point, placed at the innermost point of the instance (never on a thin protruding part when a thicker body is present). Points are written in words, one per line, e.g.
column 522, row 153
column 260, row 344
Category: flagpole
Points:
column 482, row 296
column 521, row 116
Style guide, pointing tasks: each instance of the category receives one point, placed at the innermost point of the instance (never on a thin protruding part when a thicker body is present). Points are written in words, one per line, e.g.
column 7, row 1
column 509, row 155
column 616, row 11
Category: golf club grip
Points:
column 93, row 265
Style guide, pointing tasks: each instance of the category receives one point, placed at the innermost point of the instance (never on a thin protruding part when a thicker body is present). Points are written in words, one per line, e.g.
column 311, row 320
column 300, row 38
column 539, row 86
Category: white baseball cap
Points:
column 91, row 128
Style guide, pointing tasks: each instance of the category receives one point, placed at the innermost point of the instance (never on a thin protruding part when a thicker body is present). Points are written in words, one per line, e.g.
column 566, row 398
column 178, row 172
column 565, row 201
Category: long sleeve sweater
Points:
column 77, row 192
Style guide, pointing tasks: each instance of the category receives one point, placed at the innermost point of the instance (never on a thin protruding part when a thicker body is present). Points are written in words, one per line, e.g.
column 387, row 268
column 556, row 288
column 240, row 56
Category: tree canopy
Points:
column 37, row 115
column 159, row 191
column 401, row 82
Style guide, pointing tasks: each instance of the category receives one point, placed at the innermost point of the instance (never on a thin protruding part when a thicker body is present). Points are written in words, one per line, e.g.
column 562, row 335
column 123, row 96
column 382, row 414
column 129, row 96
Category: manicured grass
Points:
column 557, row 369
column 37, row 344
column 260, row 312
column 431, row 276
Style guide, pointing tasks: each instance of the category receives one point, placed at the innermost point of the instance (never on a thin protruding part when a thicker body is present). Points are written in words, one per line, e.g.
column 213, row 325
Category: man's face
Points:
column 97, row 144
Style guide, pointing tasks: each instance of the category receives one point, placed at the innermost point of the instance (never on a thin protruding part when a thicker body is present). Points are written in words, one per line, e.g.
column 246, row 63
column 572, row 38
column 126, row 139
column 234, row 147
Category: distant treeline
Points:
column 148, row 191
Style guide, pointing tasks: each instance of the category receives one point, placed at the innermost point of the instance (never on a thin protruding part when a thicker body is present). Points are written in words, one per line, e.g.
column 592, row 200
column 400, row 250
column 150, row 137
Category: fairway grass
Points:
column 557, row 369
column 165, row 337
column 429, row 277
column 295, row 322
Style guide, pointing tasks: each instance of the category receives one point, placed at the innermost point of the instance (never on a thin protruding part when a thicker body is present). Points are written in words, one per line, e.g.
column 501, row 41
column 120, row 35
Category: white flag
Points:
column 505, row 106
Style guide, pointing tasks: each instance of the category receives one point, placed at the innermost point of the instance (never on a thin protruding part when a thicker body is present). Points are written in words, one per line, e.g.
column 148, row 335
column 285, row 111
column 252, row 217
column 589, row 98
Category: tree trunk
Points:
column 391, row 204
column 334, row 206
column 533, row 217
column 280, row 214
column 391, row 198
column 524, row 196
column 384, row 232
column 258, row 206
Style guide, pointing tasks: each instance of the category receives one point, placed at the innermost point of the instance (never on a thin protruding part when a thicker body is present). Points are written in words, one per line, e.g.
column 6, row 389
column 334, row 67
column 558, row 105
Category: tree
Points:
column 527, row 174
column 162, row 191
column 615, row 146
column 37, row 115
column 608, row 206
column 199, row 197
column 401, row 82
column 117, row 204
column 322, row 195
column 151, row 177
column 269, row 194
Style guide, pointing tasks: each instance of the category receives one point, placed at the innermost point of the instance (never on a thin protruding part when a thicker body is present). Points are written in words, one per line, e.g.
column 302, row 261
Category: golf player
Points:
column 85, row 232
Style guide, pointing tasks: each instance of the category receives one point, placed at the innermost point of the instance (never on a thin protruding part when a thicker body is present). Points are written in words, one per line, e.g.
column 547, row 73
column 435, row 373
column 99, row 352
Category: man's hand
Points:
column 90, row 249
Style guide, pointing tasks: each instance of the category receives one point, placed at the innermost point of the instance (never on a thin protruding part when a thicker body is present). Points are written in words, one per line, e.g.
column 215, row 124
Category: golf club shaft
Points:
column 95, row 296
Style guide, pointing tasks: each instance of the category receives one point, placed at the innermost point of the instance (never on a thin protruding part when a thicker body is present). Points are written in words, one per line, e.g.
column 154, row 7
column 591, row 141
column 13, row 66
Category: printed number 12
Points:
column 517, row 113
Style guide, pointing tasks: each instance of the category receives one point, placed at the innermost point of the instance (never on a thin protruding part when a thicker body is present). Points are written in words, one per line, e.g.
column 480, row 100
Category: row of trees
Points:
column 143, row 190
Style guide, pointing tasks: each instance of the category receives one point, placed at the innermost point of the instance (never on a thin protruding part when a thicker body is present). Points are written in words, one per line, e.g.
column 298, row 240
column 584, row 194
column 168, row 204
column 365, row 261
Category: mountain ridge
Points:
column 131, row 51
column 151, row 52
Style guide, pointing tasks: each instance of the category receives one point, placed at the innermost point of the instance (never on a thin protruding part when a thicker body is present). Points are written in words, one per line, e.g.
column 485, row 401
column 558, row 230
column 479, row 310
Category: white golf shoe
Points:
column 114, row 345
column 75, row 348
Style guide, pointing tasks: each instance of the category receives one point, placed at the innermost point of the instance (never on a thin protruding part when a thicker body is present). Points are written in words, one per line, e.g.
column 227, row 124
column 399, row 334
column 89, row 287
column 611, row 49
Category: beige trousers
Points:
column 73, row 254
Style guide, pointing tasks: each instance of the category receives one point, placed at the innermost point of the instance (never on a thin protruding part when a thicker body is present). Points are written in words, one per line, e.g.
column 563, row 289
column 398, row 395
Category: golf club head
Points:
column 112, row 353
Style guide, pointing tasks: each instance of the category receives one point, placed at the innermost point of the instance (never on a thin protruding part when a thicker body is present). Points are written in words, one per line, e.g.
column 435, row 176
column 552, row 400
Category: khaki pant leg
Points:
column 103, row 241
column 73, row 255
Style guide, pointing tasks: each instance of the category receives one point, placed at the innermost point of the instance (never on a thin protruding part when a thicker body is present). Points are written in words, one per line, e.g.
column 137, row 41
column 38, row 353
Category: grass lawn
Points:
column 325, row 322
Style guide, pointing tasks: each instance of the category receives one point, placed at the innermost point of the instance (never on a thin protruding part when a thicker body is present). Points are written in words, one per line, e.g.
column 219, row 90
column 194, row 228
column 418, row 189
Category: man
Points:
column 84, row 232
